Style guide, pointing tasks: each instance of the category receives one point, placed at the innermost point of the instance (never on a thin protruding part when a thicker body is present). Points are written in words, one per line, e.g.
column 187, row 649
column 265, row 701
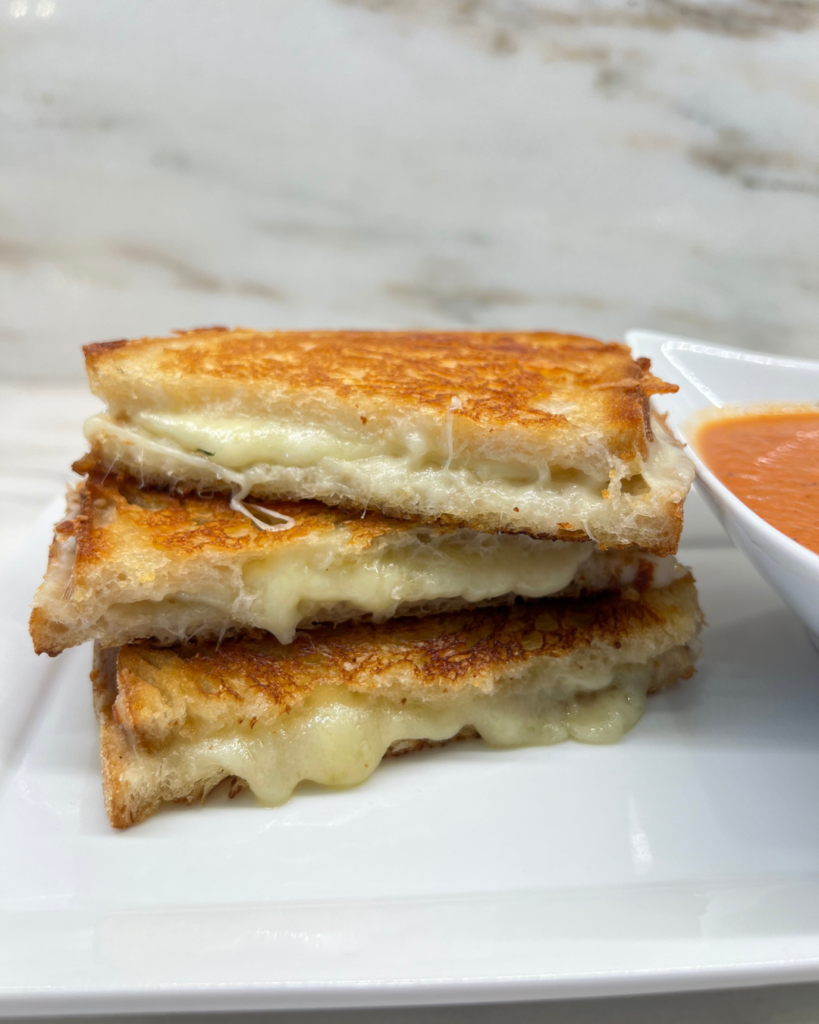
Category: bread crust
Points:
column 651, row 521
column 539, row 405
column 122, row 549
column 500, row 378
column 147, row 699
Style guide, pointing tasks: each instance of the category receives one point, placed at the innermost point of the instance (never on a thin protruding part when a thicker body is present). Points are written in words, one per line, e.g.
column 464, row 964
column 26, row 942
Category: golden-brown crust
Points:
column 121, row 544
column 114, row 510
column 166, row 697
column 499, row 377
column 210, row 521
column 109, row 516
column 566, row 416
column 178, row 691
column 115, row 750
column 93, row 464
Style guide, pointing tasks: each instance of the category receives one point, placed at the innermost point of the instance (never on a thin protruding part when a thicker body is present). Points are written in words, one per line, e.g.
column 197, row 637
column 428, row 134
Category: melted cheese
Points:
column 294, row 586
column 304, row 584
column 338, row 737
column 418, row 473
column 239, row 443
column 246, row 445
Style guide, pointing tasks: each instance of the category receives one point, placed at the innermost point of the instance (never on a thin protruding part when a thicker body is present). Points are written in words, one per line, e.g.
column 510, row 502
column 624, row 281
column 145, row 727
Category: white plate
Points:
column 712, row 376
column 685, row 857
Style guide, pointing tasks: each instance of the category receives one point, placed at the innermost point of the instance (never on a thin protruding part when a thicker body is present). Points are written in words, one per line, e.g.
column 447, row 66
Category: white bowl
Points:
column 713, row 375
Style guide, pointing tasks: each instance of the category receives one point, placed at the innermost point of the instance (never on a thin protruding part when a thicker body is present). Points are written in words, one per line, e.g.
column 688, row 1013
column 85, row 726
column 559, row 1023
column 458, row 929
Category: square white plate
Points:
column 685, row 857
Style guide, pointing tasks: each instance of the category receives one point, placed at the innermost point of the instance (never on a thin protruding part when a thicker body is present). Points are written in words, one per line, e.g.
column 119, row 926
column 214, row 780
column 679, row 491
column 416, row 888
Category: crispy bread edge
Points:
column 122, row 809
column 47, row 636
column 659, row 535
column 124, row 804
column 127, row 806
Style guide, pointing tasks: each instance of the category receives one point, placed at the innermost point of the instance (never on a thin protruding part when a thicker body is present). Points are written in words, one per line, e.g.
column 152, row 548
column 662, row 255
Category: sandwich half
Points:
column 174, row 722
column 130, row 563
column 545, row 434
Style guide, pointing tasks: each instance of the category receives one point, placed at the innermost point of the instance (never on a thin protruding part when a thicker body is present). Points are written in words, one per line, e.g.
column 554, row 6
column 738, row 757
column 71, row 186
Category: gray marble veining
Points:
column 584, row 166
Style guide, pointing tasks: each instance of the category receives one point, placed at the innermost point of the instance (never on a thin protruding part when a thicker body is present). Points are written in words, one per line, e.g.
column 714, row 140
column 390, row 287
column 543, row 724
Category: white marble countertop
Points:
column 586, row 166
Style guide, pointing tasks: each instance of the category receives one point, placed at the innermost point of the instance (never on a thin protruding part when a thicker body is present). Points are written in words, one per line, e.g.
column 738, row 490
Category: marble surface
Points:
column 589, row 166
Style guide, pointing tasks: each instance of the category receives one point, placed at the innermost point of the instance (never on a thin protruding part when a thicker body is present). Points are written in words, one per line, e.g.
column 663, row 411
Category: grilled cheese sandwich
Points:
column 543, row 434
column 129, row 563
column 176, row 722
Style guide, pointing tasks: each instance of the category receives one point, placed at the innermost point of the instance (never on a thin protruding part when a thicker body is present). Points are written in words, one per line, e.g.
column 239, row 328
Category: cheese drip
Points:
column 338, row 737
column 416, row 473
column 308, row 584
column 245, row 452
column 294, row 586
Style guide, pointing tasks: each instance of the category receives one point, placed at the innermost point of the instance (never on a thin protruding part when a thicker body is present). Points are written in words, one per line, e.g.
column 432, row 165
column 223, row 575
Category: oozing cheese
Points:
column 293, row 586
column 338, row 737
column 239, row 443
column 417, row 474
column 319, row 582
column 250, row 450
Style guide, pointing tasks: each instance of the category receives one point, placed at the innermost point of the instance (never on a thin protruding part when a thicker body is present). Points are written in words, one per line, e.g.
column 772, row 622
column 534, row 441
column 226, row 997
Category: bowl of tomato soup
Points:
column 769, row 459
column 750, row 422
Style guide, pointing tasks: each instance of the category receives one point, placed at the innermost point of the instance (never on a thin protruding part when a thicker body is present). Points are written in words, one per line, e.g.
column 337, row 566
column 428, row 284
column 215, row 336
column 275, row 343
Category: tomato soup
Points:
column 771, row 462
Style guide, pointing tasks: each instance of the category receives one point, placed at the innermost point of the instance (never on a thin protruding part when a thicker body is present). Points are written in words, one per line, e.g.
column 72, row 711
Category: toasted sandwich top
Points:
column 541, row 434
column 548, row 384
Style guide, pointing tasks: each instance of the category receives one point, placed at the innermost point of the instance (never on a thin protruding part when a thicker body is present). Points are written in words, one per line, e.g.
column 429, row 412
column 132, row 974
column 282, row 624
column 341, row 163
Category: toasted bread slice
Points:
column 174, row 722
column 129, row 563
column 545, row 434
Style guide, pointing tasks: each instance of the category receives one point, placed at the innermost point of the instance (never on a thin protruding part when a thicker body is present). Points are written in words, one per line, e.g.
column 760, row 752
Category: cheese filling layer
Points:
column 328, row 578
column 247, row 453
column 309, row 584
column 305, row 584
column 299, row 585
column 338, row 737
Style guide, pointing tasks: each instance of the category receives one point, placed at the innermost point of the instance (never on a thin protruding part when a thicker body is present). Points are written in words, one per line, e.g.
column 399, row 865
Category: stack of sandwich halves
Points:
column 298, row 552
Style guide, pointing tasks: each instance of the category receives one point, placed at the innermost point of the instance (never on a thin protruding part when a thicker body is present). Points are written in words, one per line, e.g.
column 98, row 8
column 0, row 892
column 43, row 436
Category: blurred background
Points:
column 587, row 166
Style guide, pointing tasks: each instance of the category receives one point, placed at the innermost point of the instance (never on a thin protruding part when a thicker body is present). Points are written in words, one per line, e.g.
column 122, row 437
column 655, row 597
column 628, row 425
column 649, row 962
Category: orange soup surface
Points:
column 771, row 462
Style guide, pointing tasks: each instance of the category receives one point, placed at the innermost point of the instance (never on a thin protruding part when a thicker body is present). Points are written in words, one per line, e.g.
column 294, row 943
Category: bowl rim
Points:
column 722, row 495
